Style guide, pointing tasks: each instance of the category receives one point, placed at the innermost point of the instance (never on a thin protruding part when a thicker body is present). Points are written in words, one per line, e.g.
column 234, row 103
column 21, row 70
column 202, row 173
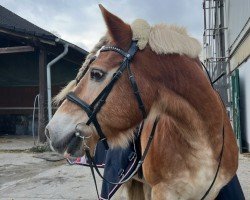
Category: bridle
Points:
column 93, row 109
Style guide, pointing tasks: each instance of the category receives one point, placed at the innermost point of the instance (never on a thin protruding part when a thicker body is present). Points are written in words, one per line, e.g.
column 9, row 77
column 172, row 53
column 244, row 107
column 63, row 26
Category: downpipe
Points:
column 49, row 65
column 33, row 118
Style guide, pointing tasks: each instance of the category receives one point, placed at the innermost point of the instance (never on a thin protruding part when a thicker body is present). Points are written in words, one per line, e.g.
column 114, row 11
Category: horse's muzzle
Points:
column 62, row 144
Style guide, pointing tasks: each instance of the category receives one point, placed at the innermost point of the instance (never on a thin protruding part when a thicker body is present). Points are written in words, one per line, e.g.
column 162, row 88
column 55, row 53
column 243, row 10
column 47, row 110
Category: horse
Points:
column 193, row 152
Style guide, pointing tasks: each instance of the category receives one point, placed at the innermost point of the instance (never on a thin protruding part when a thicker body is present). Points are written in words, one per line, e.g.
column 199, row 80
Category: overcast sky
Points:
column 80, row 21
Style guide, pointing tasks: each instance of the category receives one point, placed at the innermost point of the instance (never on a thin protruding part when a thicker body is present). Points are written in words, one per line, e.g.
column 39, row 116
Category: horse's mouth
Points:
column 70, row 145
column 74, row 147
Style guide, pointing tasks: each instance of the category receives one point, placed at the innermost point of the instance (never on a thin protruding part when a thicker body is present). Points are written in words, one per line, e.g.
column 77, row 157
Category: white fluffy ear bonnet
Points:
column 165, row 39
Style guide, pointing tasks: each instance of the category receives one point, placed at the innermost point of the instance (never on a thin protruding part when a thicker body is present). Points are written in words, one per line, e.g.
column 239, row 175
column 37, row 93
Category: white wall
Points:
column 237, row 13
column 244, row 71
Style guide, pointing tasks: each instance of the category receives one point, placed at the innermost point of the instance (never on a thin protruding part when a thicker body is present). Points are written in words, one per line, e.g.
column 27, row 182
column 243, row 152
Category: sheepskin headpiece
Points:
column 165, row 39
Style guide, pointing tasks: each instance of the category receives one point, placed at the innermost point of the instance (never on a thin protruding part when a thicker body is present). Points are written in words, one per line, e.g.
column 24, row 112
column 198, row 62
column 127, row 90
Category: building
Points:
column 227, row 50
column 25, row 51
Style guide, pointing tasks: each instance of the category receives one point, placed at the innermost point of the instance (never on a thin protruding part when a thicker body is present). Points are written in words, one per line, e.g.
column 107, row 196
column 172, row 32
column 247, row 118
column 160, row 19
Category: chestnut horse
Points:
column 185, row 152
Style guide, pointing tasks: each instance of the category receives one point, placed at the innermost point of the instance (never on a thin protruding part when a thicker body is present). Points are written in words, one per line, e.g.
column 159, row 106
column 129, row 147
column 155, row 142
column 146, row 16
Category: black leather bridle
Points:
column 93, row 109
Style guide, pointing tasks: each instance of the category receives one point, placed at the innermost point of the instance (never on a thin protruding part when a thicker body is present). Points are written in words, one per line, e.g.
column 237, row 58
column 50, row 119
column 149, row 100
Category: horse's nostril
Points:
column 47, row 133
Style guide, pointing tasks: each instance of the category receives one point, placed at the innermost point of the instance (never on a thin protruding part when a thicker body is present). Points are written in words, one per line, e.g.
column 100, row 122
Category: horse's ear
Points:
column 119, row 31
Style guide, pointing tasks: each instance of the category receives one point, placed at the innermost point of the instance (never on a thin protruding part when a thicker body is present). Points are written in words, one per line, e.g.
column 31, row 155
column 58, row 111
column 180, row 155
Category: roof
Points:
column 11, row 21
column 17, row 24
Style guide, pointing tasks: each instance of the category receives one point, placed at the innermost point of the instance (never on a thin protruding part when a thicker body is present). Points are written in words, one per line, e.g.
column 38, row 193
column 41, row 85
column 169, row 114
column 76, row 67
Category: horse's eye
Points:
column 97, row 74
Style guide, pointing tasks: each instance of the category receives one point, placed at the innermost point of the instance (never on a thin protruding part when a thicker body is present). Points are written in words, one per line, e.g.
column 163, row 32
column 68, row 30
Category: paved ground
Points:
column 244, row 174
column 24, row 176
column 12, row 143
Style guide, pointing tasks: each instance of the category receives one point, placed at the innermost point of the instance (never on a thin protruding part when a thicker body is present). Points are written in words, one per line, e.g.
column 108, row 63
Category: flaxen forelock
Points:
column 72, row 84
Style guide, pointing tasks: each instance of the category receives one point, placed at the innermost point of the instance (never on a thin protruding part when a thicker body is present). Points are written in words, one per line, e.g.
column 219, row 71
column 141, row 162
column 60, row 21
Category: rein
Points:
column 218, row 167
column 141, row 161
column 223, row 134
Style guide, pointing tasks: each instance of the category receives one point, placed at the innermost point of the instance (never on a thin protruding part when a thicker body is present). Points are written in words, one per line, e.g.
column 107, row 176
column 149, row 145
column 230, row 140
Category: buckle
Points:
column 131, row 156
column 128, row 56
column 121, row 173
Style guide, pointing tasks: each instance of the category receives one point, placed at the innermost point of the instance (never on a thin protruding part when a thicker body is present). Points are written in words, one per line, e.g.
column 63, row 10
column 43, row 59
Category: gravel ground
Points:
column 12, row 143
column 244, row 174
column 23, row 176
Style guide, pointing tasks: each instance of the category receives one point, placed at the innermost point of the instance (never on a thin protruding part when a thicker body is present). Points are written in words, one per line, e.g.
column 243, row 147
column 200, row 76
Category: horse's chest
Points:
column 193, row 184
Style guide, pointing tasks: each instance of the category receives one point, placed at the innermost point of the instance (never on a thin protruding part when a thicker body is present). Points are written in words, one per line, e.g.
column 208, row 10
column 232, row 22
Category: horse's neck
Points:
column 185, row 94
column 179, row 109
column 189, row 122
column 188, row 85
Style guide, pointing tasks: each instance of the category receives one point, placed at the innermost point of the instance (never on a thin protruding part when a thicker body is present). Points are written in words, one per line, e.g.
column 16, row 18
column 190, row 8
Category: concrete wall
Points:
column 237, row 22
column 241, row 53
column 237, row 42
column 244, row 72
column 237, row 13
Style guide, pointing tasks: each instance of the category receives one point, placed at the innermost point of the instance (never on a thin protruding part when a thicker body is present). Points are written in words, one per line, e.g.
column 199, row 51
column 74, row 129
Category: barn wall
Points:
column 19, row 86
column 16, row 109
column 17, row 100
column 19, row 80
column 19, row 69
column 22, row 70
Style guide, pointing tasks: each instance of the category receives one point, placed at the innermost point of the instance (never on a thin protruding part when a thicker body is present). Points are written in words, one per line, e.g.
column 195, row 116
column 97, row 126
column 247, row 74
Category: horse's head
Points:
column 120, row 113
column 160, row 66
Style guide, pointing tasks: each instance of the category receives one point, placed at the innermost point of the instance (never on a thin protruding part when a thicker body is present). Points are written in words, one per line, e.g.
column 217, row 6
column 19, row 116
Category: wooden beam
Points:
column 42, row 114
column 17, row 49
column 31, row 38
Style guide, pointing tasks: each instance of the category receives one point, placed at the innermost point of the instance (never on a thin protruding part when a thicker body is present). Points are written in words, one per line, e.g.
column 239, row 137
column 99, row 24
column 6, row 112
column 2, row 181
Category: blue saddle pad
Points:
column 232, row 191
column 118, row 165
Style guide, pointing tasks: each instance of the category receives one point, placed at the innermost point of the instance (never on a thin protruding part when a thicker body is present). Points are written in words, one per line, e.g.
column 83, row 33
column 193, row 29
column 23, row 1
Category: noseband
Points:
column 93, row 109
